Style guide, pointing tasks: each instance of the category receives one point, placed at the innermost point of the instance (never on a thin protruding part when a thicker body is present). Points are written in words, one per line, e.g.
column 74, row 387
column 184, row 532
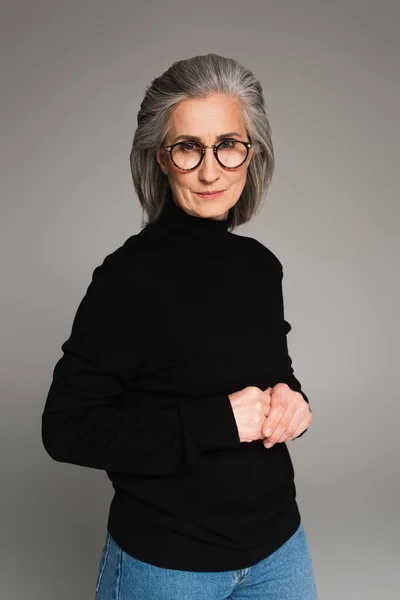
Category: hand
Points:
column 288, row 417
column 250, row 407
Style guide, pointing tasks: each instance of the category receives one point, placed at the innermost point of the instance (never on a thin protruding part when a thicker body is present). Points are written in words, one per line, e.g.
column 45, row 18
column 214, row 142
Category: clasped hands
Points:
column 288, row 416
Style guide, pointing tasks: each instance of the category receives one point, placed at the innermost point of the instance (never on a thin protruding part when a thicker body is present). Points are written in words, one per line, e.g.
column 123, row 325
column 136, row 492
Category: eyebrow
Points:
column 197, row 139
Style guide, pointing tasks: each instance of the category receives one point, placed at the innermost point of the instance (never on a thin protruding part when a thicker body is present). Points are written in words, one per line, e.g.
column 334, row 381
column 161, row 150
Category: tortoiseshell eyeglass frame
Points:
column 215, row 147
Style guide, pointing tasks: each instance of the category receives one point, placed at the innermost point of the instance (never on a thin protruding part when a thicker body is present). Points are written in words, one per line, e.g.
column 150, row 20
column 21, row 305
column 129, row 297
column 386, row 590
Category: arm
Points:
column 290, row 379
column 93, row 418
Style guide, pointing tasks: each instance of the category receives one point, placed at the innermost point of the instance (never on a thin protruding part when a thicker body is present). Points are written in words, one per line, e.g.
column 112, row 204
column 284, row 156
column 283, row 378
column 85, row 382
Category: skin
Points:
column 206, row 118
column 289, row 415
column 286, row 412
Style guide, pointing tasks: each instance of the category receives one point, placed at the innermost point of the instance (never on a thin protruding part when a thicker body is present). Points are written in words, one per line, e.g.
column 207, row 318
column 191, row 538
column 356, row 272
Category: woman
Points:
column 176, row 378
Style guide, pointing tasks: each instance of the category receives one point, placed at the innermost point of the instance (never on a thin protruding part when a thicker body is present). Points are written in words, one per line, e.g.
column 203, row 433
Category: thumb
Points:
column 267, row 394
column 267, row 405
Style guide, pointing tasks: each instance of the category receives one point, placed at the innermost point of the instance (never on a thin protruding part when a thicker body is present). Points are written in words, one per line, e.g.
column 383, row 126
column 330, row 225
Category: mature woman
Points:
column 176, row 378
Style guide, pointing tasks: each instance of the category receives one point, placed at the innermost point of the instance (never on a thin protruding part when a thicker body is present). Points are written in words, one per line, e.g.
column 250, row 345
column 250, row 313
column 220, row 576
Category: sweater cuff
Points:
column 208, row 424
column 305, row 398
column 308, row 402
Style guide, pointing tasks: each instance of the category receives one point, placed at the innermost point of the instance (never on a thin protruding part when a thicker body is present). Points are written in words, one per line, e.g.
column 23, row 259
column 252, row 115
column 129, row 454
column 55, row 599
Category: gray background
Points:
column 72, row 77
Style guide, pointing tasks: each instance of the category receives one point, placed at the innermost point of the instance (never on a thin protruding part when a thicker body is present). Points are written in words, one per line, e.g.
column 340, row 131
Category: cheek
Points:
column 177, row 182
column 187, row 182
column 238, row 180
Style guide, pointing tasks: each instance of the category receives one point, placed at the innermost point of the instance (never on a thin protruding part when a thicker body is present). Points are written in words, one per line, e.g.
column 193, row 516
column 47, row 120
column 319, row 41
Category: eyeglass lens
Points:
column 187, row 155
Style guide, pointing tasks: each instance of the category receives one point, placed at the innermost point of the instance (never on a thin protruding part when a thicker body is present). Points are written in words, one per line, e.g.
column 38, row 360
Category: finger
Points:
column 275, row 414
column 282, row 428
column 274, row 437
column 304, row 417
column 296, row 414
column 267, row 403
column 304, row 424
column 290, row 431
column 267, row 396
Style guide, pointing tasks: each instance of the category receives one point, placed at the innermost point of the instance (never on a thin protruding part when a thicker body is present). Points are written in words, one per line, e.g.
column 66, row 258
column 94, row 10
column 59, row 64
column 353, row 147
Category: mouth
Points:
column 210, row 195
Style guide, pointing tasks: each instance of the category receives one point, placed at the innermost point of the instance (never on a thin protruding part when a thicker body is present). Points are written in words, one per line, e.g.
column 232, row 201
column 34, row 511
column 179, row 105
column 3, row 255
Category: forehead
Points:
column 207, row 116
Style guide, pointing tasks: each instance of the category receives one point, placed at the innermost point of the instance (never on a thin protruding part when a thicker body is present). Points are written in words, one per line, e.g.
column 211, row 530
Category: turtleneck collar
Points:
column 174, row 216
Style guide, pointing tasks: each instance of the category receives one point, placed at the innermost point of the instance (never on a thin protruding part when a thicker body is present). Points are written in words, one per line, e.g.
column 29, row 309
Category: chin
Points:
column 217, row 212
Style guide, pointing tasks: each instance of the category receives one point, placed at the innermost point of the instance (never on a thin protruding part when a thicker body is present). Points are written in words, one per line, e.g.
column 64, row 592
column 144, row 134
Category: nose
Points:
column 209, row 167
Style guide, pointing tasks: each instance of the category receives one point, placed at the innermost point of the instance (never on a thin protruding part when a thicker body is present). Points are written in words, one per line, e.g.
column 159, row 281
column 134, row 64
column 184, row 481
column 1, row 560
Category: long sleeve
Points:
column 291, row 380
column 92, row 415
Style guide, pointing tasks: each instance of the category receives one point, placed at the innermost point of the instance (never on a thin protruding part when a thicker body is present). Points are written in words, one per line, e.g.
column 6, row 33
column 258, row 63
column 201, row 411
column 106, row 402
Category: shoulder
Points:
column 112, row 282
column 106, row 316
column 258, row 252
column 121, row 263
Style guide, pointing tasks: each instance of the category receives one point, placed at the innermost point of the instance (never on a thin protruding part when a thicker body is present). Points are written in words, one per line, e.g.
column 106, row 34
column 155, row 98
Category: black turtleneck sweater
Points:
column 179, row 316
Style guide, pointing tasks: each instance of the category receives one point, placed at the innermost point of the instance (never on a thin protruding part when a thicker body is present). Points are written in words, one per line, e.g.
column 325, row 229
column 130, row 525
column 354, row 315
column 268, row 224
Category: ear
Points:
column 161, row 156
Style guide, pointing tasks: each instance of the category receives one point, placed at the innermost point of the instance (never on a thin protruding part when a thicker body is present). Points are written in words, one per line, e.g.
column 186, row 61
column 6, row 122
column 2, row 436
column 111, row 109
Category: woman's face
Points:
column 206, row 119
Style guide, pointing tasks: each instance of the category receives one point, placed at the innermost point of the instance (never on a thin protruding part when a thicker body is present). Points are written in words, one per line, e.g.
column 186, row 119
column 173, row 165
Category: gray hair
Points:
column 199, row 77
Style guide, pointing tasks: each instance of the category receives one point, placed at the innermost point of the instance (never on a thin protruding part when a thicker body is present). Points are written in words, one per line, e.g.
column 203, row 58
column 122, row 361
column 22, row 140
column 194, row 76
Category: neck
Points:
column 174, row 216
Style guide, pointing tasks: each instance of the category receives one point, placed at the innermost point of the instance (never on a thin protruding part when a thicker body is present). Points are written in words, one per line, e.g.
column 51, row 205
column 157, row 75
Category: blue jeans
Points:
column 286, row 574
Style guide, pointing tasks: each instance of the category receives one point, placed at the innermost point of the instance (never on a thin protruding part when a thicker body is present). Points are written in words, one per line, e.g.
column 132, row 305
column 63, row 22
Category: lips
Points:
column 210, row 195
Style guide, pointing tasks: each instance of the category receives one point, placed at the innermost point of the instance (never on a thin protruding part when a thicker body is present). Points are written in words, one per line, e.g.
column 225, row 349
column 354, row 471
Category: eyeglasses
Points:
column 187, row 155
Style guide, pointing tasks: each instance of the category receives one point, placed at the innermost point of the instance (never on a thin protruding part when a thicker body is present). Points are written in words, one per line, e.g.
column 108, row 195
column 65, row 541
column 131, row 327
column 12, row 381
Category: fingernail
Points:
column 268, row 445
column 268, row 432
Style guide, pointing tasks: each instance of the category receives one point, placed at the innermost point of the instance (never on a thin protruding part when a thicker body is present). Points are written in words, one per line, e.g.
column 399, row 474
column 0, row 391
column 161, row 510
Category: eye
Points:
column 228, row 144
column 188, row 146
